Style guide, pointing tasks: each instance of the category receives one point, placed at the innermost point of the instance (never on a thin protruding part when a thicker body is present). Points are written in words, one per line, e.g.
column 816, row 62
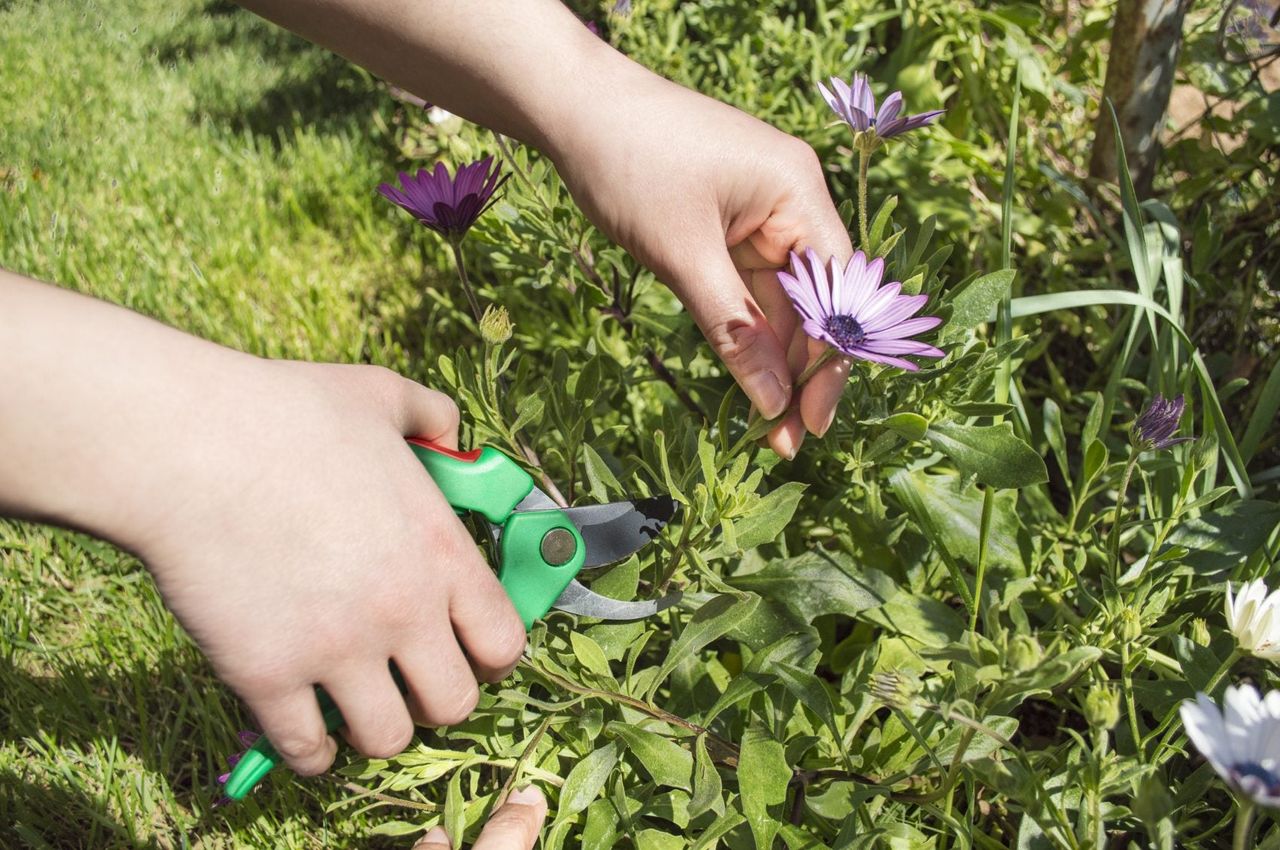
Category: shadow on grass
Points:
column 310, row 86
column 34, row 814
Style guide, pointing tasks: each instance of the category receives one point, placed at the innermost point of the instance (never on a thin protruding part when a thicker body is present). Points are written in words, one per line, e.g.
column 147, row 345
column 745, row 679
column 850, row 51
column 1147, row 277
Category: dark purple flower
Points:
column 1155, row 427
column 448, row 204
column 850, row 310
column 595, row 29
column 857, row 106
column 247, row 740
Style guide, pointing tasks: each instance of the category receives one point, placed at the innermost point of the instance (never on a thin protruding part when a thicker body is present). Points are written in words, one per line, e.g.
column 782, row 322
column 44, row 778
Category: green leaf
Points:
column 818, row 583
column 716, row 617
column 763, row 776
column 586, row 780
column 910, row 426
column 599, row 475
column 528, row 411
column 1219, row 540
column 590, row 655
column 975, row 304
column 950, row 516
column 455, row 811
column 922, row 618
column 707, row 788
column 664, row 760
column 880, row 221
column 811, row 691
column 991, row 453
column 770, row 516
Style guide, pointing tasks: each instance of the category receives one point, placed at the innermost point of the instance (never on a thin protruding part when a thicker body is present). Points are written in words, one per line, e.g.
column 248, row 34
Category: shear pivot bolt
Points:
column 558, row 547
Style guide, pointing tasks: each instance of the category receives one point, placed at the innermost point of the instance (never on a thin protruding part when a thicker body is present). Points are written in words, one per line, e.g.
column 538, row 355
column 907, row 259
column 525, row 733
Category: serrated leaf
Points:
column 991, row 453
column 666, row 762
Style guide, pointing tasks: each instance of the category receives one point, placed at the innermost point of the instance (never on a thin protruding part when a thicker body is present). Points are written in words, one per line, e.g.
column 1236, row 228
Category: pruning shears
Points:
column 540, row 547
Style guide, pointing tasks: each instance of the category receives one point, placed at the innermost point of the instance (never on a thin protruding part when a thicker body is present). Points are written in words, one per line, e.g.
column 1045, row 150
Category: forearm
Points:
column 94, row 400
column 526, row 68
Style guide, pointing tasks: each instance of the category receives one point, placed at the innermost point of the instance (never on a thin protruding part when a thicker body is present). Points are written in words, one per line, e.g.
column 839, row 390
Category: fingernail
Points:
column 831, row 417
column 768, row 393
column 526, row 796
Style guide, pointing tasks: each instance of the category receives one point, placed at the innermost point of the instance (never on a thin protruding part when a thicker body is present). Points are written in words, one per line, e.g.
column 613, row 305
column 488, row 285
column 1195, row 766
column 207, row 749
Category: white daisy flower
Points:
column 1254, row 618
column 1242, row 742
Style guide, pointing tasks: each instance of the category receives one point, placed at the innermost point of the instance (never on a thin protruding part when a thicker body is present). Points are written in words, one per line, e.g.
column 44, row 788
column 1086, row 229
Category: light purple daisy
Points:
column 1155, row 427
column 448, row 204
column 849, row 309
column 857, row 105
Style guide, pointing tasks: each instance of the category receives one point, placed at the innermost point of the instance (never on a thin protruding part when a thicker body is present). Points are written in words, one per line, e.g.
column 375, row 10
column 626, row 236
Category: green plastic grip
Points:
column 541, row 552
column 489, row 483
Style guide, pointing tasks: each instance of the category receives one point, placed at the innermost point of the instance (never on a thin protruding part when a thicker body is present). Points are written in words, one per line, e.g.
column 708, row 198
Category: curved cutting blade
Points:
column 616, row 530
column 577, row 599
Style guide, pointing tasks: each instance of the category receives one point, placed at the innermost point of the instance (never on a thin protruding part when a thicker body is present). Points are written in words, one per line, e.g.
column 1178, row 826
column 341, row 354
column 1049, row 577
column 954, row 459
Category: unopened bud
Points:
column 893, row 689
column 1129, row 625
column 1102, row 707
column 495, row 326
column 1024, row 653
column 1200, row 631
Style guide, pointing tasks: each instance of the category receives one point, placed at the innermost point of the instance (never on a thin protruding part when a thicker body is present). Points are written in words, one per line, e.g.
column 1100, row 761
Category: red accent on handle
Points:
column 467, row 457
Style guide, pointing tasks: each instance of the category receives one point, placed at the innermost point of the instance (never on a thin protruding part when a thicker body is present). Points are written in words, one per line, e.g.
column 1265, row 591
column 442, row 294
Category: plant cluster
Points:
column 969, row 617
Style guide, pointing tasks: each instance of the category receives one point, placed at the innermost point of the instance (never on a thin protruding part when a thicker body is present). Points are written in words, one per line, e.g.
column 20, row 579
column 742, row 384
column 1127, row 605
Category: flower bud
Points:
column 1200, row 631
column 1024, row 653
column 1102, row 707
column 495, row 326
column 1129, row 625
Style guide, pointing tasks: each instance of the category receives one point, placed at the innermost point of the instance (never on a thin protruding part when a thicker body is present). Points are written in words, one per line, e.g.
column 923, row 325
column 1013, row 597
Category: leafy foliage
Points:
column 889, row 642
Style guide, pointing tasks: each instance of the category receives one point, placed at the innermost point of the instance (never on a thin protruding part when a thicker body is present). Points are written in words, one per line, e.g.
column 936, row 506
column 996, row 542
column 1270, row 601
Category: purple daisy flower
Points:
column 857, row 106
column 1155, row 427
column 849, row 309
column 448, row 204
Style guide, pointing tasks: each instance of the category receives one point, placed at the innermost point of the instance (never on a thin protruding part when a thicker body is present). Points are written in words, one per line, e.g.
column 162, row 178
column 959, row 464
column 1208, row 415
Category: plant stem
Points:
column 864, row 160
column 1130, row 705
column 1244, row 822
column 456, row 245
column 1113, row 544
column 984, row 534
column 758, row 426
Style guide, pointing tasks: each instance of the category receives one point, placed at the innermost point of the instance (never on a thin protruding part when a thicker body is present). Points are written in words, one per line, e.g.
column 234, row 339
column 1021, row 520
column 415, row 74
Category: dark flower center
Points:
column 1267, row 778
column 845, row 330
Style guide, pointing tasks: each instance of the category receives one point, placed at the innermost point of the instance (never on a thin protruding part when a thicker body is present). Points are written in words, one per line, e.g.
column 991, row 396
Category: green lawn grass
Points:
column 202, row 167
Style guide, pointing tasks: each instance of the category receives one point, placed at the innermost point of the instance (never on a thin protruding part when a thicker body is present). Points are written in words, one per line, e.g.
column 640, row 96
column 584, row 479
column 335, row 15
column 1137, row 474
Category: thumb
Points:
column 427, row 414
column 715, row 295
column 516, row 825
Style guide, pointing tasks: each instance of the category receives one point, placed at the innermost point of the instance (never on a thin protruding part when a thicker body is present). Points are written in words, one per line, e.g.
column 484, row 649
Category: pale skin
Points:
column 285, row 521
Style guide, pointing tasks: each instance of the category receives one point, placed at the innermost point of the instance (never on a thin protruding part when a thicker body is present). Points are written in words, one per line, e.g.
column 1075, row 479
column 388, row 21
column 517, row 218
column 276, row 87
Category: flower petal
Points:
column 909, row 328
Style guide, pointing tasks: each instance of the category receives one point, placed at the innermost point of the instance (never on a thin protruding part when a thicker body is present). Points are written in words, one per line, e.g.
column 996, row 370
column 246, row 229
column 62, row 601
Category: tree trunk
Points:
column 1145, row 39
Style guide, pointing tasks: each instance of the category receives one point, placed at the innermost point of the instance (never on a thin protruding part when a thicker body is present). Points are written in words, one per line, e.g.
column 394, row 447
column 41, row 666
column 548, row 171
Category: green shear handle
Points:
column 540, row 551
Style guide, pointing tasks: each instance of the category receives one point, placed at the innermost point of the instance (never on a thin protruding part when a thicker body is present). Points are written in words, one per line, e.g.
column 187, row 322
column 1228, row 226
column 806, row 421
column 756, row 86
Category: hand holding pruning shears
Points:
column 540, row 549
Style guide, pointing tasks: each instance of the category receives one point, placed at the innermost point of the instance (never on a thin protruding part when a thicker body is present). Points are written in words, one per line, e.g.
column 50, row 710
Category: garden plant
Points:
column 1004, row 601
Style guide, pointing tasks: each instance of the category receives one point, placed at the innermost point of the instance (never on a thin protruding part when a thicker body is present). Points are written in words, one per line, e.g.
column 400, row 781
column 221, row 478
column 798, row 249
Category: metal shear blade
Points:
column 612, row 532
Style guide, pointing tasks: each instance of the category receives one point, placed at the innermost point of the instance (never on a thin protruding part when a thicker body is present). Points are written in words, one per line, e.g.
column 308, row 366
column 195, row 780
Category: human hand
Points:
column 713, row 200
column 302, row 543
column 513, row 826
